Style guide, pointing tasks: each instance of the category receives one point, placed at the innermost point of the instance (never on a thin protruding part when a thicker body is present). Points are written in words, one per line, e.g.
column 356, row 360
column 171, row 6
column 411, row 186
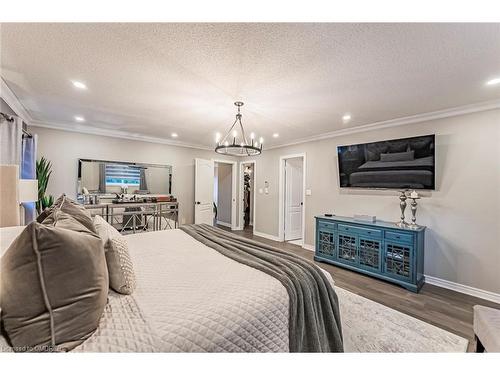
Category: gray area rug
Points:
column 369, row 327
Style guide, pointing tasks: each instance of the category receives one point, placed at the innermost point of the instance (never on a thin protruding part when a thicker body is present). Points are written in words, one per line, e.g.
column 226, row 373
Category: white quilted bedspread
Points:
column 190, row 298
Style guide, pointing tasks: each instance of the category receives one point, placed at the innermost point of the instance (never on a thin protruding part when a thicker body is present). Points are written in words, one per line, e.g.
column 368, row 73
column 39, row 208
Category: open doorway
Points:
column 247, row 196
column 291, row 198
column 224, row 194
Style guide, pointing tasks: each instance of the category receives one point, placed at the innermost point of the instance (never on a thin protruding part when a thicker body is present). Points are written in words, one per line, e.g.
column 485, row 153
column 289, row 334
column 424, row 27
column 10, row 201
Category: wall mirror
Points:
column 104, row 177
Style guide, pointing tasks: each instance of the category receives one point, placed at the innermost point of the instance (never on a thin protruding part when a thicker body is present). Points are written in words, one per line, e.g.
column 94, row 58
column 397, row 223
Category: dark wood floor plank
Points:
column 438, row 306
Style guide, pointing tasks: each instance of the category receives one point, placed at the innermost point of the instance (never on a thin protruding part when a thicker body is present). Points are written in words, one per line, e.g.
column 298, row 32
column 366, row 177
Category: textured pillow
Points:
column 70, row 207
column 398, row 156
column 422, row 147
column 120, row 267
column 54, row 285
column 398, row 145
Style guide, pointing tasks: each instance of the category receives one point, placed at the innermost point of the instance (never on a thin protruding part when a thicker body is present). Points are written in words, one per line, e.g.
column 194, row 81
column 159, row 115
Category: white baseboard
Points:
column 461, row 288
column 465, row 289
column 308, row 247
column 268, row 236
column 224, row 224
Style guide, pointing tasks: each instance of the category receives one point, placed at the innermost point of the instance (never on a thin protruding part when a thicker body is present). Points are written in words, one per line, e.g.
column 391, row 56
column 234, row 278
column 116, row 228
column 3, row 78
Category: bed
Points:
column 190, row 298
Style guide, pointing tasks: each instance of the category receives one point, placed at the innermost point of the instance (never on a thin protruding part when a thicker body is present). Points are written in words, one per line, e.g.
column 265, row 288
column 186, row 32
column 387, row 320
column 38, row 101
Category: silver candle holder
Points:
column 402, row 205
column 414, row 197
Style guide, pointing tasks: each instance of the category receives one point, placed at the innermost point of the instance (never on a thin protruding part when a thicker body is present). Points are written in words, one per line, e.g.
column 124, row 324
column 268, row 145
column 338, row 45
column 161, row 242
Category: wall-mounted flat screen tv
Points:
column 406, row 163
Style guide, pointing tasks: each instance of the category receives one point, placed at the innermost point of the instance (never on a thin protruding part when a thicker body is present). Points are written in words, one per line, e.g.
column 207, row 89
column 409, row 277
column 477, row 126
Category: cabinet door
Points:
column 347, row 248
column 370, row 253
column 326, row 243
column 398, row 257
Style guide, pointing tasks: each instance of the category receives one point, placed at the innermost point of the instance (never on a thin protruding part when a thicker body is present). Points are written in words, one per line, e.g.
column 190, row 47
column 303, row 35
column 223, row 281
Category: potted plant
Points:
column 43, row 172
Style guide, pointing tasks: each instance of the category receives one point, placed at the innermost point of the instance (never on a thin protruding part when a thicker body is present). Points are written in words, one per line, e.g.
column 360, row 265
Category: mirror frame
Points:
column 79, row 174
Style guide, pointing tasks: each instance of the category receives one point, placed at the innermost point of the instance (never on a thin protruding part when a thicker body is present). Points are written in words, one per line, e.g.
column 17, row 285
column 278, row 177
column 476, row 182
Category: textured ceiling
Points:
column 295, row 79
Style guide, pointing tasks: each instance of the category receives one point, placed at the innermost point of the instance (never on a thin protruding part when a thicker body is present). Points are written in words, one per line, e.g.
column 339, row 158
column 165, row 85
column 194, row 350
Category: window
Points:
column 119, row 174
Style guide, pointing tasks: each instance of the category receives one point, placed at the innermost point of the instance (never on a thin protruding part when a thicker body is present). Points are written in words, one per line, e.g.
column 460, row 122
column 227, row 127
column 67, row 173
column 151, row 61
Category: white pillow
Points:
column 120, row 267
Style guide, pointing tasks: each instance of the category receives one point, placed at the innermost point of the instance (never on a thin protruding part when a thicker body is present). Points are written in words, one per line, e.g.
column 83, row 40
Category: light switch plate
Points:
column 308, row 192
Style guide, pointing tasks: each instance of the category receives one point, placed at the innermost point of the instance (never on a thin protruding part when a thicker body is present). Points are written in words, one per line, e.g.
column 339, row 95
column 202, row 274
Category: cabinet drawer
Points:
column 326, row 225
column 400, row 237
column 375, row 233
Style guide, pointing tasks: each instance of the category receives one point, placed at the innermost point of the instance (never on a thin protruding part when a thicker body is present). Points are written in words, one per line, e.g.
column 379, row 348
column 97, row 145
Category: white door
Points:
column 293, row 198
column 203, row 191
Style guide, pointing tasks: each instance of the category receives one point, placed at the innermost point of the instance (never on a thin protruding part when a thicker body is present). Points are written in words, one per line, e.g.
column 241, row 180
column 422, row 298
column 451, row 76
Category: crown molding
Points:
column 401, row 121
column 83, row 129
column 13, row 102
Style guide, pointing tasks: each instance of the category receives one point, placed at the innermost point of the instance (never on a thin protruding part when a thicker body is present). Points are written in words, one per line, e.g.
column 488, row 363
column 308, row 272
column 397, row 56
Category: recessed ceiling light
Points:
column 79, row 118
column 494, row 81
column 346, row 117
column 174, row 135
column 276, row 135
column 79, row 85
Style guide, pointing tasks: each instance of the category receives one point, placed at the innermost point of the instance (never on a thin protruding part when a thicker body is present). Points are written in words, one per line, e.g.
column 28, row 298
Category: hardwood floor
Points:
column 441, row 307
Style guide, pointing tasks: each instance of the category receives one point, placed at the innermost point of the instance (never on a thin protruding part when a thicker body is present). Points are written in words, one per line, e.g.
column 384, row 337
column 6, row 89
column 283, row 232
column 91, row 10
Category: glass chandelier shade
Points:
column 237, row 144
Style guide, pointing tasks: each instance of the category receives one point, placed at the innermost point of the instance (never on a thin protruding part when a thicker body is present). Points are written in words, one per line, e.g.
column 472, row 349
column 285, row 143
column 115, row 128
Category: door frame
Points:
column 234, row 181
column 281, row 195
column 240, row 198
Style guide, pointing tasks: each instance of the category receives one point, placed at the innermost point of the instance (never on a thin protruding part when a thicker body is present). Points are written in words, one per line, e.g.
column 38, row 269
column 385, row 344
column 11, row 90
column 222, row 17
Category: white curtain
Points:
column 16, row 150
column 11, row 133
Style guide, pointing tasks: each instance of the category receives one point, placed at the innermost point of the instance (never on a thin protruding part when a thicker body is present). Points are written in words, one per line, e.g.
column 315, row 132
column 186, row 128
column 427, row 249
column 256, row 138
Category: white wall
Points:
column 462, row 215
column 64, row 149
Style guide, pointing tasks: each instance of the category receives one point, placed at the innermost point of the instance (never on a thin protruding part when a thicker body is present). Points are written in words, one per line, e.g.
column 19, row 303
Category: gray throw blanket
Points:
column 314, row 324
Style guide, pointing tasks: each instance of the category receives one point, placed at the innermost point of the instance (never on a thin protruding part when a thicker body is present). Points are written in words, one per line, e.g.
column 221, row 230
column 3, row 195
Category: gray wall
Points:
column 462, row 215
column 64, row 149
column 224, row 192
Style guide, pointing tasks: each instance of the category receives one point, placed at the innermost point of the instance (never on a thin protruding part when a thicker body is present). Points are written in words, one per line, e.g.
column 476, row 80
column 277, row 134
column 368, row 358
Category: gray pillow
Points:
column 120, row 268
column 70, row 207
column 398, row 156
column 54, row 285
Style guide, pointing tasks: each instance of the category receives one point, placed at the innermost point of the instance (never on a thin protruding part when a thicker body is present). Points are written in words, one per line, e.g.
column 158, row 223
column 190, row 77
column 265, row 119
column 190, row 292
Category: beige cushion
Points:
column 487, row 327
column 70, row 207
column 121, row 271
column 54, row 285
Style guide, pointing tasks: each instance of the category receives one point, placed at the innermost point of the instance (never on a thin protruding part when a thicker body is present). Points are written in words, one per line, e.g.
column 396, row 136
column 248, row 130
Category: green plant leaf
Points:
column 43, row 173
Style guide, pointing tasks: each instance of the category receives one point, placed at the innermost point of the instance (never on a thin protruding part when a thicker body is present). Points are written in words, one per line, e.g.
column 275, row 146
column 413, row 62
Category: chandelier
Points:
column 237, row 144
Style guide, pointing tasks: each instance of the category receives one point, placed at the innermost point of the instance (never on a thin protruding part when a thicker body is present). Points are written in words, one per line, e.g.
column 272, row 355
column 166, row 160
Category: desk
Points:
column 130, row 217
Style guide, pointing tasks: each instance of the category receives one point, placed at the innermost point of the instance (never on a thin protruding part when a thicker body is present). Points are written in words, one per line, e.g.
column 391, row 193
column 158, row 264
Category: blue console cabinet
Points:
column 380, row 249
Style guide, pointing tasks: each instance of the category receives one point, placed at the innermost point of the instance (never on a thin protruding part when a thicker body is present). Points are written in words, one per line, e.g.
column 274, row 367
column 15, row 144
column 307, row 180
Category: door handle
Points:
column 301, row 203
